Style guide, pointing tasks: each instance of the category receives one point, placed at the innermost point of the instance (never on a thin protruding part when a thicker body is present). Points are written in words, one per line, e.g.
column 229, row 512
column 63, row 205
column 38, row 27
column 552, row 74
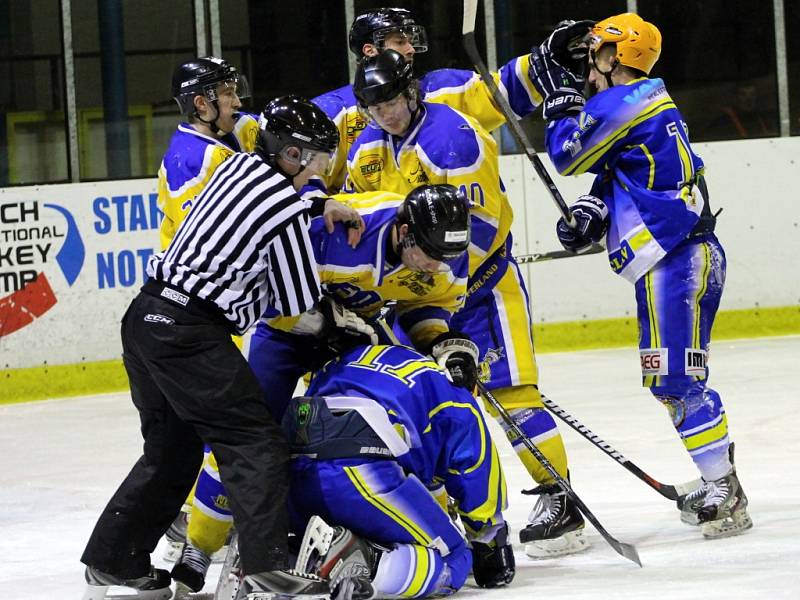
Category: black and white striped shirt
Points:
column 244, row 245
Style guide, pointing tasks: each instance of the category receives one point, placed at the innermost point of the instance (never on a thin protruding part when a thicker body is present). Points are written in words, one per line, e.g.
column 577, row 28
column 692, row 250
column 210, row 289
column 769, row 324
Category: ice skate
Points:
column 724, row 510
column 691, row 503
column 176, row 536
column 555, row 525
column 286, row 584
column 189, row 573
column 153, row 586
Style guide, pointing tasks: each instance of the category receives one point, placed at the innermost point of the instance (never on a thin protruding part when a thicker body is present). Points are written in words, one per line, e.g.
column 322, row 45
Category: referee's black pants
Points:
column 191, row 384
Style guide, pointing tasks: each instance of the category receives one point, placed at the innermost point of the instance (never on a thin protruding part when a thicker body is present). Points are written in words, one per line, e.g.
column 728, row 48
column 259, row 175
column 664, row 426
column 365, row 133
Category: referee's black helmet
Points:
column 294, row 121
column 438, row 220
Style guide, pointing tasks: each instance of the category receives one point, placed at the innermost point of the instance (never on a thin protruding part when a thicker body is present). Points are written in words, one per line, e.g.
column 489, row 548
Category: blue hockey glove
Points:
column 560, row 88
column 591, row 215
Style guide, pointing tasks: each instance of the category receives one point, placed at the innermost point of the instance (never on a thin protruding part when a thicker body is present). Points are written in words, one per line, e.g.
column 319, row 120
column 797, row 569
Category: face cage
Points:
column 416, row 35
column 239, row 82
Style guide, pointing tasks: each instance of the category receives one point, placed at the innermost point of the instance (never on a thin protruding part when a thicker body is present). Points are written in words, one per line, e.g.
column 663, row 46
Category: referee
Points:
column 243, row 245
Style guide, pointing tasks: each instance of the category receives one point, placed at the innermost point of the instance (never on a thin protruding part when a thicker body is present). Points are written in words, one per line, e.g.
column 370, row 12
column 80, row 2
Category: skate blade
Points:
column 113, row 592
column 182, row 592
column 569, row 543
column 281, row 596
column 736, row 524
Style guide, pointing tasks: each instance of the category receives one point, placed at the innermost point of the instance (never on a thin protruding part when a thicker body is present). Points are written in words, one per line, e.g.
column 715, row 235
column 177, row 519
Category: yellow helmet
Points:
column 638, row 42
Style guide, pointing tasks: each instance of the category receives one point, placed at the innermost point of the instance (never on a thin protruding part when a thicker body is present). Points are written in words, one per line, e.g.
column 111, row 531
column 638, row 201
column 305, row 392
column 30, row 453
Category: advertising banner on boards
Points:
column 71, row 258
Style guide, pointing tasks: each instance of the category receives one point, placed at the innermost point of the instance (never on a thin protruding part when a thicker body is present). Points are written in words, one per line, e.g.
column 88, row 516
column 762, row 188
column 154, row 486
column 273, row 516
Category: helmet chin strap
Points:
column 213, row 123
column 606, row 74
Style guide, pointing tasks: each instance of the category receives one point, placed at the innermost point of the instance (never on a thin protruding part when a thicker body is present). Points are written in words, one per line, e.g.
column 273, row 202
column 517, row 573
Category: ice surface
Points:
column 62, row 459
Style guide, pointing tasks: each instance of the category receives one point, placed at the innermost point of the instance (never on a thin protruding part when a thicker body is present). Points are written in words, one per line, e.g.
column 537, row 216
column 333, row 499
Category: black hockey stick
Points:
column 671, row 492
column 626, row 550
column 468, row 33
column 545, row 256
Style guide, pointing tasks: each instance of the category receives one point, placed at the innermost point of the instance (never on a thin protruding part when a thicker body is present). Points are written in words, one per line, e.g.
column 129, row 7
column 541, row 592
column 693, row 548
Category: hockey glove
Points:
column 458, row 355
column 343, row 328
column 493, row 562
column 560, row 88
column 591, row 215
column 569, row 46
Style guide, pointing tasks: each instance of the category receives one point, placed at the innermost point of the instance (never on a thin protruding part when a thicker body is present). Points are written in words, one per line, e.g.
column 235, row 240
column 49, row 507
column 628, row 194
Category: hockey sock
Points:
column 538, row 425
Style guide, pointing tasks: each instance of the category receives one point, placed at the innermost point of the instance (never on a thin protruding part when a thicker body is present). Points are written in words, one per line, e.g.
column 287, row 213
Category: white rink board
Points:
column 755, row 181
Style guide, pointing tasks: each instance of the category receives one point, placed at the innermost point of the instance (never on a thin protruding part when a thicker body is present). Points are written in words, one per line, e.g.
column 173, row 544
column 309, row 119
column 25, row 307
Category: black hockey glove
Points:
column 458, row 354
column 591, row 215
column 569, row 46
column 343, row 328
column 493, row 562
column 560, row 88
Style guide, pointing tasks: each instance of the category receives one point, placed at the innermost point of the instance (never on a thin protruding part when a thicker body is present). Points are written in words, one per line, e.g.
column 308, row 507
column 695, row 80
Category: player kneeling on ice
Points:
column 380, row 442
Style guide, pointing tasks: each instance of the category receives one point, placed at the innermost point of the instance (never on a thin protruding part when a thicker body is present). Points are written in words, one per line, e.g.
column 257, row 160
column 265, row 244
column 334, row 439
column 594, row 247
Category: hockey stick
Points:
column 626, row 550
column 671, row 492
column 544, row 256
column 468, row 34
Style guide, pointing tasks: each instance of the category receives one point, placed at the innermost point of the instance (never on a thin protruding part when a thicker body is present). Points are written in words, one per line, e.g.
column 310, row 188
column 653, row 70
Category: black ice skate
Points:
column 153, row 586
column 190, row 571
column 286, row 584
column 555, row 525
column 724, row 510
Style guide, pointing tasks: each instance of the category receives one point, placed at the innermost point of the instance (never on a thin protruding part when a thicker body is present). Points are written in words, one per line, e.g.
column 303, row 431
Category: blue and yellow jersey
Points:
column 189, row 163
column 435, row 429
column 459, row 89
column 363, row 281
column 635, row 140
column 441, row 146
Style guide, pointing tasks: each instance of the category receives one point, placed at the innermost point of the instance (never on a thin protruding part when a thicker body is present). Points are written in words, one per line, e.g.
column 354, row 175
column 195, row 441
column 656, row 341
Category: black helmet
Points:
column 371, row 28
column 200, row 77
column 438, row 220
column 293, row 121
column 382, row 77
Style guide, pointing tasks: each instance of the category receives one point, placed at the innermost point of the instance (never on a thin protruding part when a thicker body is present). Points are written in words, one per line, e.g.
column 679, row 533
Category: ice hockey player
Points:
column 413, row 252
column 395, row 28
column 650, row 205
column 379, row 437
column 412, row 141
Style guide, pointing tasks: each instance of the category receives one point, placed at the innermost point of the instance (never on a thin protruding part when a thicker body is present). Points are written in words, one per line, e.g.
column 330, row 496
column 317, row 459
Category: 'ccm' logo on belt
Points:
column 174, row 296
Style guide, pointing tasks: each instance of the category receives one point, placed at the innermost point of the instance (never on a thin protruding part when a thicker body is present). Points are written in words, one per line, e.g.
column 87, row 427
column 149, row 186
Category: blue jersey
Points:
column 633, row 137
column 435, row 430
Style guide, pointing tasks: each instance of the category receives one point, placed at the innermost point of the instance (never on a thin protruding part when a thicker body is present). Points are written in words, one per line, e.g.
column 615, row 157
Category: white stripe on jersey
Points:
column 243, row 245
